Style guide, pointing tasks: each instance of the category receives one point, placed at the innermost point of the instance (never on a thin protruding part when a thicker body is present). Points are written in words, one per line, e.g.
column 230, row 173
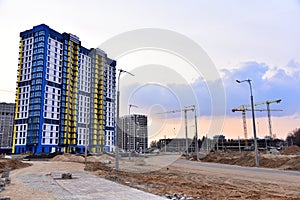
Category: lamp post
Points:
column 253, row 120
column 117, row 121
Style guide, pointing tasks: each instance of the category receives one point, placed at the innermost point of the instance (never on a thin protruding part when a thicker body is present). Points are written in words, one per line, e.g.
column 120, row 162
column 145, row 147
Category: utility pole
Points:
column 165, row 144
column 196, row 133
column 186, row 132
column 239, row 144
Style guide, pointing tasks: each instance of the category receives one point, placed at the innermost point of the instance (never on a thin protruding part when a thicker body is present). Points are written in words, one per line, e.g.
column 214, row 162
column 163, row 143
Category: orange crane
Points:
column 243, row 109
column 269, row 113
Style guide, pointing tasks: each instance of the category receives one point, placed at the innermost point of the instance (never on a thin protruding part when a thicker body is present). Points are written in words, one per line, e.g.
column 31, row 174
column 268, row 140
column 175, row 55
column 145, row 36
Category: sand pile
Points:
column 286, row 162
column 79, row 158
column 97, row 166
column 292, row 164
column 231, row 158
column 92, row 159
column 292, row 150
column 12, row 164
column 105, row 157
column 68, row 158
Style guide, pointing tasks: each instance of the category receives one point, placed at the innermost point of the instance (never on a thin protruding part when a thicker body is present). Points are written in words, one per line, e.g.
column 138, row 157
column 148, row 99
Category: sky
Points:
column 181, row 53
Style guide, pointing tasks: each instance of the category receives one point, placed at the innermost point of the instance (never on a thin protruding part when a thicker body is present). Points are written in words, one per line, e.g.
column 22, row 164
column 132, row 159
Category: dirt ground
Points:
column 202, row 184
column 169, row 174
column 289, row 159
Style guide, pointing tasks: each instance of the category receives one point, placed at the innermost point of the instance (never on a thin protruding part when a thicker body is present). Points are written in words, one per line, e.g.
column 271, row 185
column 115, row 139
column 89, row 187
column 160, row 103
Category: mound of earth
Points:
column 12, row 164
column 292, row 150
column 246, row 159
column 68, row 158
column 79, row 158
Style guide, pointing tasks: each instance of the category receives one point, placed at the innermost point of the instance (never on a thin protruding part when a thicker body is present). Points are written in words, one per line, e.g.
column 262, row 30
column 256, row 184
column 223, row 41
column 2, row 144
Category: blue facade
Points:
column 47, row 98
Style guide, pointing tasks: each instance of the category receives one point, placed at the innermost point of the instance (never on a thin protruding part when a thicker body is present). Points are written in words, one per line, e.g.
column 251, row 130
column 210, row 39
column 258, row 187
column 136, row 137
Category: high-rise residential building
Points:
column 65, row 94
column 6, row 126
column 134, row 132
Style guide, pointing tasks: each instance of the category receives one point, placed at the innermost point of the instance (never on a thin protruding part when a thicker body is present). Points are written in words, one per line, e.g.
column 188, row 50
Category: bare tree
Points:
column 293, row 137
column 153, row 143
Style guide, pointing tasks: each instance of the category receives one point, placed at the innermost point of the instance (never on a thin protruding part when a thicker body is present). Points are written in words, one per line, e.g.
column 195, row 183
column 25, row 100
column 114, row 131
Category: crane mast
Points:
column 185, row 110
column 269, row 113
column 243, row 109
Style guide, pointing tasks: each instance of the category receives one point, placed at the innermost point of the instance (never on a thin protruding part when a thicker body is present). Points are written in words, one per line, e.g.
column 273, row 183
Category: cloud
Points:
column 268, row 83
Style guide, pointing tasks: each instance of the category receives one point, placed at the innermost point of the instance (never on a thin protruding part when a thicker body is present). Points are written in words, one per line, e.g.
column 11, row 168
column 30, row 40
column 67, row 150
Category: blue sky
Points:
column 244, row 39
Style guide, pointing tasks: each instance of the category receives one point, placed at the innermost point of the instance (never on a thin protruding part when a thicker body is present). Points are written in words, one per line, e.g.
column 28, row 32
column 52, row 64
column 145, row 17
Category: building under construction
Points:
column 134, row 132
column 263, row 144
column 174, row 144
column 6, row 126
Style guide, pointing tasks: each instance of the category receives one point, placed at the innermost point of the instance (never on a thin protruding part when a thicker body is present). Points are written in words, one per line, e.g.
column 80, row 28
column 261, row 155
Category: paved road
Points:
column 293, row 174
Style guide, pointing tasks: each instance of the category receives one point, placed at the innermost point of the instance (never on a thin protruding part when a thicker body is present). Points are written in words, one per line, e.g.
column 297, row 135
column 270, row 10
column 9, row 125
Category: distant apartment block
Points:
column 65, row 95
column 134, row 132
column 6, row 126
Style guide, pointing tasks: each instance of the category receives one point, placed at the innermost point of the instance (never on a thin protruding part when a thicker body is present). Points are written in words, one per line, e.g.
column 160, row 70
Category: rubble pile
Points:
column 177, row 196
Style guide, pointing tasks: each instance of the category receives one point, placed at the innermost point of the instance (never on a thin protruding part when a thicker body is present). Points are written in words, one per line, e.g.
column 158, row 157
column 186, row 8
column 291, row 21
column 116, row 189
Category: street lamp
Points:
column 253, row 120
column 118, row 113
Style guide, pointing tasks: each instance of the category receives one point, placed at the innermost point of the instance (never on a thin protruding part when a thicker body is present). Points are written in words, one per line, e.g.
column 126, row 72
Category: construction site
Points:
column 180, row 168
column 169, row 174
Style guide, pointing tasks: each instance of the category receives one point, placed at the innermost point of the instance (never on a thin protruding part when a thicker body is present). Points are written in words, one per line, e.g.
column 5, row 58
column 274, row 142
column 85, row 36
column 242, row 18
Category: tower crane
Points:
column 130, row 106
column 269, row 113
column 185, row 110
column 243, row 109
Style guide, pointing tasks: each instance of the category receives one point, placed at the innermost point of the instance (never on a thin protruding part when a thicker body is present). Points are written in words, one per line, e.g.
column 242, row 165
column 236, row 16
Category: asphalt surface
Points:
column 294, row 174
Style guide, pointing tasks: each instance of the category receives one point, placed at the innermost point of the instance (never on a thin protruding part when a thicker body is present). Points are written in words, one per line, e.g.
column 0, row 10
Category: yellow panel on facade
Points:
column 14, row 138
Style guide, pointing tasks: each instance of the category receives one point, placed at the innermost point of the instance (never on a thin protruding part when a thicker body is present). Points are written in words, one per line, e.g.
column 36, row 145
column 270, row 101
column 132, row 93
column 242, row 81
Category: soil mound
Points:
column 106, row 157
column 12, row 164
column 79, row 158
column 292, row 164
column 68, row 158
column 292, row 150
column 97, row 166
column 286, row 162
